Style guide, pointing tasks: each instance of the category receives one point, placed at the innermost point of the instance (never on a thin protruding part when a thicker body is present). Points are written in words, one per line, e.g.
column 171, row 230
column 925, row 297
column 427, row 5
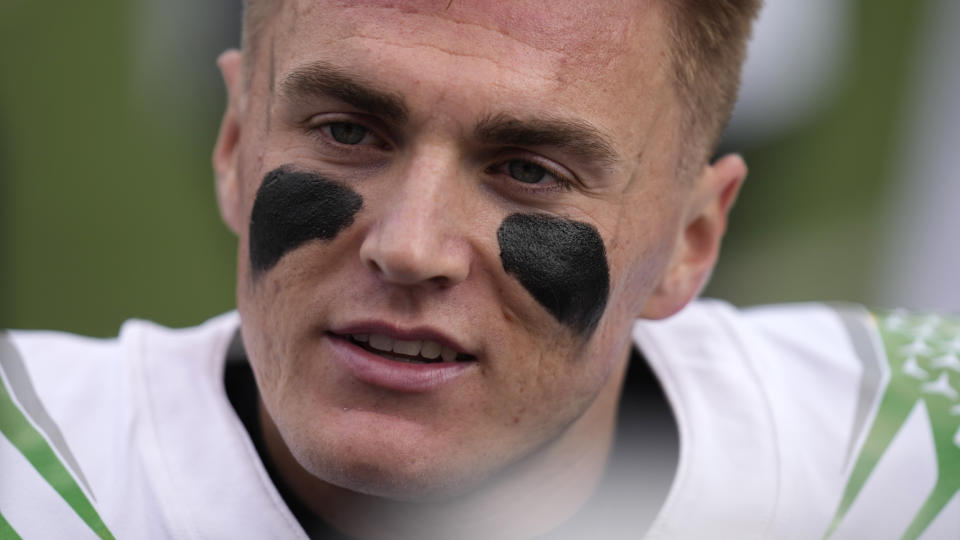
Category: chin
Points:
column 383, row 462
column 422, row 479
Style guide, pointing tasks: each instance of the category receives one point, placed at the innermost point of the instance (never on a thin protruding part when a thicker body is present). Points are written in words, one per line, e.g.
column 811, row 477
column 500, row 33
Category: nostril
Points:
column 413, row 257
column 441, row 281
column 373, row 266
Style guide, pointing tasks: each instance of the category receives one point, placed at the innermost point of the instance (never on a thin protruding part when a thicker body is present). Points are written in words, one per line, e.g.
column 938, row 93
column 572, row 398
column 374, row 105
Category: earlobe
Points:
column 698, row 244
column 228, row 140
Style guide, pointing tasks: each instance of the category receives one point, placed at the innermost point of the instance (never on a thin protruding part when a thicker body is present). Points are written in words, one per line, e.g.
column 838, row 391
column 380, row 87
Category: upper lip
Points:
column 422, row 333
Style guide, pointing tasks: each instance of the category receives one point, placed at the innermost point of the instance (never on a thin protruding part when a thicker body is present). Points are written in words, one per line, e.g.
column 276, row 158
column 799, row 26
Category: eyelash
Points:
column 317, row 130
column 563, row 182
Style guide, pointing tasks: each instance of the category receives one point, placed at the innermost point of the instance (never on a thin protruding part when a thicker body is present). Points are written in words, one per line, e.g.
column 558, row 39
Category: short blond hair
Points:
column 708, row 45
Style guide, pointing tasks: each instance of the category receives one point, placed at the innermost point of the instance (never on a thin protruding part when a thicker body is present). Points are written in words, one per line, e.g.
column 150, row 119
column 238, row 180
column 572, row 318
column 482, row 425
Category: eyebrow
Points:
column 322, row 80
column 574, row 136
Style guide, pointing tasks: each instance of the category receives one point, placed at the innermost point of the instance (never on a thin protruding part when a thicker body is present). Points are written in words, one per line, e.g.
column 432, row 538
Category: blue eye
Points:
column 526, row 172
column 346, row 133
column 530, row 176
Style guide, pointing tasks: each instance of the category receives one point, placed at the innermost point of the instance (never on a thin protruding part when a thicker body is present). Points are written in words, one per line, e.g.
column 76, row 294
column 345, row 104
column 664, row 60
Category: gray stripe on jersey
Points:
column 11, row 364
column 856, row 320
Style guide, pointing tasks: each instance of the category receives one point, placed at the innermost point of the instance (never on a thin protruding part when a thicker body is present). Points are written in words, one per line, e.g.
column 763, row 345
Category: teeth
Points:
column 409, row 348
column 430, row 350
column 381, row 342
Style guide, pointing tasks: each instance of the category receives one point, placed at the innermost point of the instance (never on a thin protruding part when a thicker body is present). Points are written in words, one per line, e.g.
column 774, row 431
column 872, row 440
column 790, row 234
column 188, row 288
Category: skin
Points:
column 482, row 455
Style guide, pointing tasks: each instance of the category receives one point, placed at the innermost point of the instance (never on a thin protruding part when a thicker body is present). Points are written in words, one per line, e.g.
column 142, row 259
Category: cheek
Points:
column 561, row 263
column 642, row 262
column 292, row 208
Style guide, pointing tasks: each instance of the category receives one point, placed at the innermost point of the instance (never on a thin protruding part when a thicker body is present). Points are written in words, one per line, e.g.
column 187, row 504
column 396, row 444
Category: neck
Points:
column 528, row 498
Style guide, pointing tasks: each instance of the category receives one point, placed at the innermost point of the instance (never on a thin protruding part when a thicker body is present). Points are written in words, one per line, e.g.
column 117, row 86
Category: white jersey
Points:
column 804, row 421
column 810, row 421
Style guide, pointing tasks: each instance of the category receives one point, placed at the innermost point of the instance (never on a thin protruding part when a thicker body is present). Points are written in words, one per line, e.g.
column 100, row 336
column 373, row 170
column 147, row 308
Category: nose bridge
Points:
column 424, row 193
column 417, row 235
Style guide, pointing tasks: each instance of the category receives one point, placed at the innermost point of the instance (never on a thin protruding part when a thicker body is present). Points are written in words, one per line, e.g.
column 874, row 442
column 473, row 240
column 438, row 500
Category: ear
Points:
column 225, row 152
column 698, row 244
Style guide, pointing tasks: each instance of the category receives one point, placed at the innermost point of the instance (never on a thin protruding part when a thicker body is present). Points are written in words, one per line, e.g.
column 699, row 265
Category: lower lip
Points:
column 378, row 371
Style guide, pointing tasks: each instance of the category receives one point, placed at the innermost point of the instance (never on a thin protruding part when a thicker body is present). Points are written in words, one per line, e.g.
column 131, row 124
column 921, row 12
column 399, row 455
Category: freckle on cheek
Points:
column 292, row 208
column 562, row 264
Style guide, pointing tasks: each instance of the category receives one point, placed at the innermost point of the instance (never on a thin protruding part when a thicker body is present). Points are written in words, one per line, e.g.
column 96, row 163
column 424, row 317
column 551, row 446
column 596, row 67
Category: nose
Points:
column 417, row 237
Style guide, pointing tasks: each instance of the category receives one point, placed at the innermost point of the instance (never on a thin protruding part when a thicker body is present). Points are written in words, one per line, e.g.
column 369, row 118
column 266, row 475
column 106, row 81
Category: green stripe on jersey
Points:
column 12, row 367
column 31, row 443
column 6, row 530
column 923, row 354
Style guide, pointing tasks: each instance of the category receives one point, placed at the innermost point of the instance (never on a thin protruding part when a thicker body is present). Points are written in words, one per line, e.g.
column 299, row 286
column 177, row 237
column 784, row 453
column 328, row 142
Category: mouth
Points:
column 416, row 351
column 407, row 360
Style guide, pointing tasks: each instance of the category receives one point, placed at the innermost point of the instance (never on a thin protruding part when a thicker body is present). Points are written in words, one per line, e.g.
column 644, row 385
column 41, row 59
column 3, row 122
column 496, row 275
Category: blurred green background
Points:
column 107, row 205
column 109, row 109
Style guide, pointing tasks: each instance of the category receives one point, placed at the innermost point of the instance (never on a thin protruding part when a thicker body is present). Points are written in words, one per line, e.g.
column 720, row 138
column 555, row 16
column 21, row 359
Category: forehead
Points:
column 565, row 42
column 593, row 29
column 599, row 64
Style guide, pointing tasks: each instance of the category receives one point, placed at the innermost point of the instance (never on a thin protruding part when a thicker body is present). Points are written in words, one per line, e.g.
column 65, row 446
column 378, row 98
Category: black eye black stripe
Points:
column 294, row 207
column 562, row 263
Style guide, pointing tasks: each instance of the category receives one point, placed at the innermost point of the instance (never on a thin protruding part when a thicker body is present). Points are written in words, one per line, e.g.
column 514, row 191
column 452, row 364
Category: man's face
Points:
column 452, row 177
